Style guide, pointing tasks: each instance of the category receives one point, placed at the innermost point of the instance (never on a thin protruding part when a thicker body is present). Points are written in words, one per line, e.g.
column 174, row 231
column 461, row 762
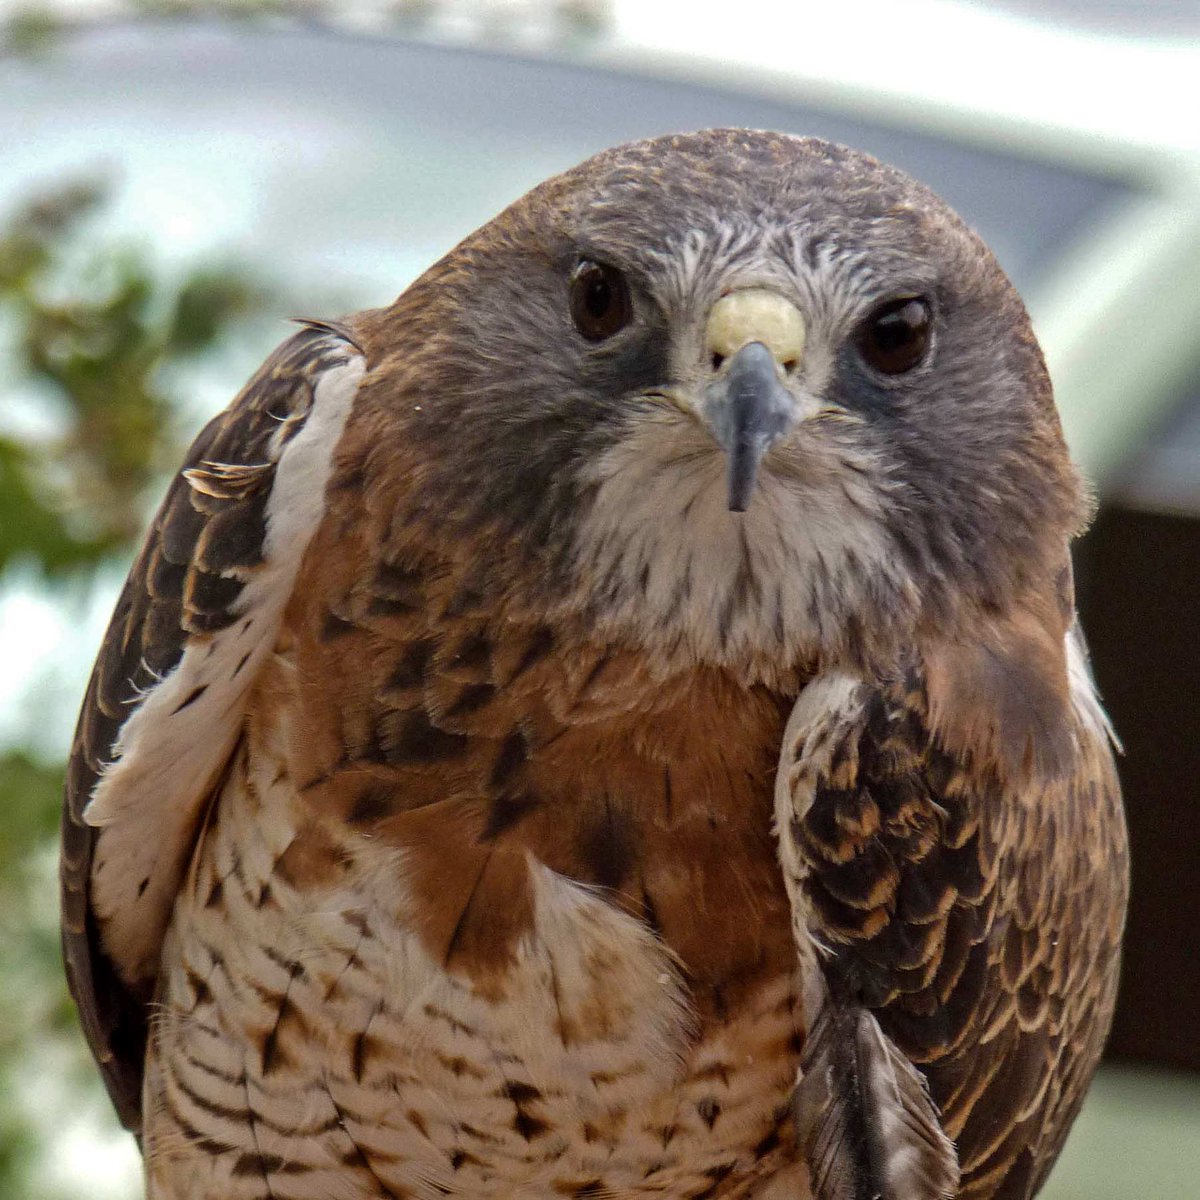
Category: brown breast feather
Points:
column 480, row 744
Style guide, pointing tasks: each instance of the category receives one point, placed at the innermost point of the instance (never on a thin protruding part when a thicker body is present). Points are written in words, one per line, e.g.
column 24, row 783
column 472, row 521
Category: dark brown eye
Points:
column 600, row 303
column 896, row 335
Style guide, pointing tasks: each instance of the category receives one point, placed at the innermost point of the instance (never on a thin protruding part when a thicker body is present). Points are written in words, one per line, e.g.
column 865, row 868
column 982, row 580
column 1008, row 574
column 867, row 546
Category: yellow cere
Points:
column 756, row 315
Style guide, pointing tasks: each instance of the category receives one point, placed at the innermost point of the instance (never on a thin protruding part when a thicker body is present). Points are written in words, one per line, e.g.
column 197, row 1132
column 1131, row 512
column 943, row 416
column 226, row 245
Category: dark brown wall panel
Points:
column 1139, row 577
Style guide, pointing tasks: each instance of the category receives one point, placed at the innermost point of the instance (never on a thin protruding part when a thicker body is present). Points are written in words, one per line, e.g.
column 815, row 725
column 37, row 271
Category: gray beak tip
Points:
column 749, row 410
column 743, row 475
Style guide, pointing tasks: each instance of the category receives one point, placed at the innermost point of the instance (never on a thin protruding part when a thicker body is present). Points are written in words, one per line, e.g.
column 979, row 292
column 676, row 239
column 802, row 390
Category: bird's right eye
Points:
column 896, row 335
column 600, row 300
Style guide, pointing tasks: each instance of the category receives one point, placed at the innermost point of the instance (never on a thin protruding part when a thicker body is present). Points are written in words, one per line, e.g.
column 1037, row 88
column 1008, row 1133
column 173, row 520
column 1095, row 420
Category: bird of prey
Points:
column 613, row 724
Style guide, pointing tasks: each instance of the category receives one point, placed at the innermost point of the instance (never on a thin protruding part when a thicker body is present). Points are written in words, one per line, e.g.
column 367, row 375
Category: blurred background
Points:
column 178, row 178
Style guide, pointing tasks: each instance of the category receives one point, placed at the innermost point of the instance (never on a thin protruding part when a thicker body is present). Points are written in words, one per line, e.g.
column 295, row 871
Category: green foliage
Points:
column 31, row 31
column 33, row 1001
column 93, row 336
column 96, row 331
column 31, row 821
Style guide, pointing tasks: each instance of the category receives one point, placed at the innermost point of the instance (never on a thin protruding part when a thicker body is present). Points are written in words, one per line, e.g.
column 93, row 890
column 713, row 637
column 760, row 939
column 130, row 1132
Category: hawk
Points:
column 613, row 724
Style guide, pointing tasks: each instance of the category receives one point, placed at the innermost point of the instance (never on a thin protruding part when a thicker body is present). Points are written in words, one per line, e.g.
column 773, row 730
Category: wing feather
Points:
column 865, row 1117
column 162, row 712
column 969, row 924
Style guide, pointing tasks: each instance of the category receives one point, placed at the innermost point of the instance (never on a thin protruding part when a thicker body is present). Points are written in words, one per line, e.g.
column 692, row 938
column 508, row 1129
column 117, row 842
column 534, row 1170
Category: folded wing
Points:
column 966, row 919
column 163, row 711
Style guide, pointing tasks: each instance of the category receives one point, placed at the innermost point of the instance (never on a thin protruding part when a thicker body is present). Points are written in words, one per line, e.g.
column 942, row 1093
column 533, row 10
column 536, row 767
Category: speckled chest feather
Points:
column 523, row 927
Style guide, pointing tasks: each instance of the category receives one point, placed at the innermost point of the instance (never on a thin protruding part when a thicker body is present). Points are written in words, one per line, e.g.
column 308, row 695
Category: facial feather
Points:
column 589, row 488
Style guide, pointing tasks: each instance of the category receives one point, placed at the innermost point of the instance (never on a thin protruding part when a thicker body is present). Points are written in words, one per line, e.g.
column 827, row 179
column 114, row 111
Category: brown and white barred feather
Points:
column 968, row 921
column 309, row 1045
column 197, row 616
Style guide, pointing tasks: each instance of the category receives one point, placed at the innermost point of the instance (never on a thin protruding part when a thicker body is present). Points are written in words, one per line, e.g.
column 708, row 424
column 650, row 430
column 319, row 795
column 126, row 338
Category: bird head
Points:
column 733, row 397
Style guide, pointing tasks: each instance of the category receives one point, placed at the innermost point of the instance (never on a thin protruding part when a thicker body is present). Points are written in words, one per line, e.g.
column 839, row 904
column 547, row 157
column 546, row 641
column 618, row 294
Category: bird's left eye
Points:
column 894, row 338
column 600, row 301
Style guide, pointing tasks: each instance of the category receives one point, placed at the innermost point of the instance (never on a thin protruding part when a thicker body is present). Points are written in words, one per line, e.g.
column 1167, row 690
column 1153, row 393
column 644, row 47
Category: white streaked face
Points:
column 688, row 575
column 669, row 561
column 831, row 287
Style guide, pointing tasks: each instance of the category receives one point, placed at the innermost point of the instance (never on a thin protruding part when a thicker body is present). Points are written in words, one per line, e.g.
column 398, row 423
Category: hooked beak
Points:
column 756, row 335
column 748, row 410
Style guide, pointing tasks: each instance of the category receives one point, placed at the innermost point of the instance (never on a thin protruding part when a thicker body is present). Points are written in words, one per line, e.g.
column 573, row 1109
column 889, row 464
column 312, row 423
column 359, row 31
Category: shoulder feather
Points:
column 163, row 710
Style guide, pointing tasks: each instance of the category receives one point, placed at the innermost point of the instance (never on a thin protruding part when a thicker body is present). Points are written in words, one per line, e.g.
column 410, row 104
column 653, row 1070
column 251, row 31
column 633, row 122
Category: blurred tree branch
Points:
column 94, row 334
